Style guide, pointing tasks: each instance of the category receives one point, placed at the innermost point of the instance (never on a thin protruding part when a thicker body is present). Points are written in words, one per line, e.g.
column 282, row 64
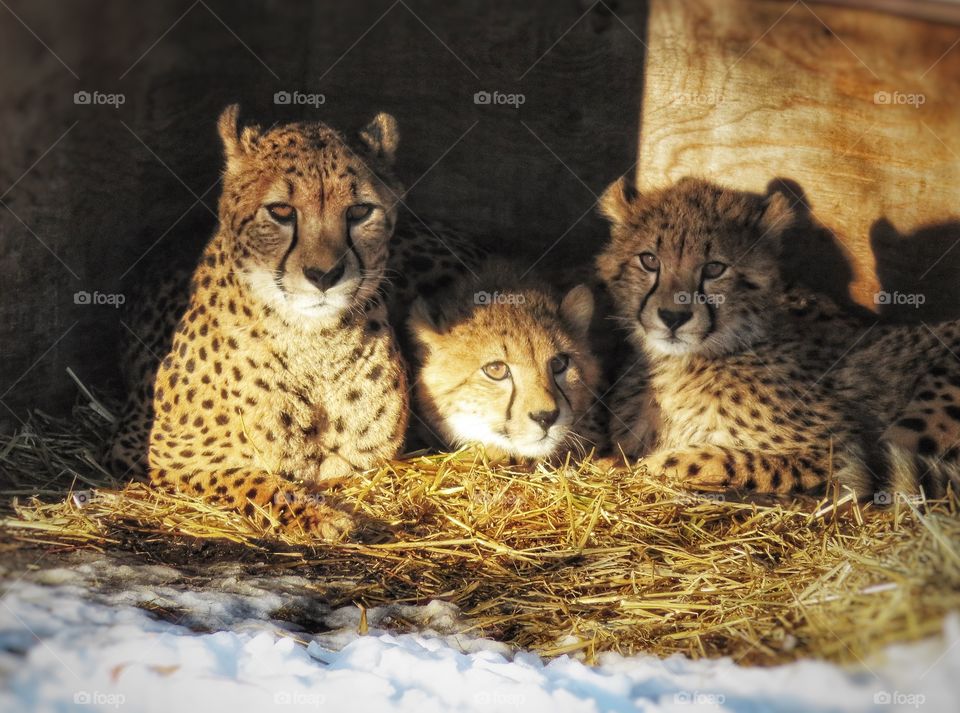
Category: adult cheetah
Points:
column 283, row 372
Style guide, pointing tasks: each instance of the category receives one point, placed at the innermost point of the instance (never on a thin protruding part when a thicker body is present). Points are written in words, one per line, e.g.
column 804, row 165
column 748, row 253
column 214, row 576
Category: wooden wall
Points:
column 96, row 196
column 858, row 113
column 743, row 91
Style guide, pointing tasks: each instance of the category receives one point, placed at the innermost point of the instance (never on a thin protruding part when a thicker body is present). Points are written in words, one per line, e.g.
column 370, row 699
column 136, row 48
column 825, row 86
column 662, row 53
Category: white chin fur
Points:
column 471, row 429
column 309, row 304
column 670, row 346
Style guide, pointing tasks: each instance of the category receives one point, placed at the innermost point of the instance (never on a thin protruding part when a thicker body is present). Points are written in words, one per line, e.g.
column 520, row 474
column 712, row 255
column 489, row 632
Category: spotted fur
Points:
column 734, row 387
column 282, row 373
column 505, row 363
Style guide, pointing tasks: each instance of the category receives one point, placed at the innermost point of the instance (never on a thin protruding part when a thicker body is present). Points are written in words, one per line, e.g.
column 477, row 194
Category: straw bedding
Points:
column 581, row 559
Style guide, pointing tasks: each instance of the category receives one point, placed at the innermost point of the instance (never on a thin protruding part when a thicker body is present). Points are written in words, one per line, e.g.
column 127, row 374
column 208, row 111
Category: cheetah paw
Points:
column 326, row 523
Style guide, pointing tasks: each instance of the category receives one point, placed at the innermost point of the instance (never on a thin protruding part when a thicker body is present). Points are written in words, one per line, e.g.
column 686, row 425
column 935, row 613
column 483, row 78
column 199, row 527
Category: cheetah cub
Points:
column 722, row 396
column 733, row 389
column 503, row 363
column 283, row 368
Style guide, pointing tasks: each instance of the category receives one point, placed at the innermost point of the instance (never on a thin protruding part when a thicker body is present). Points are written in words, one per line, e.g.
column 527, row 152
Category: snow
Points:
column 68, row 646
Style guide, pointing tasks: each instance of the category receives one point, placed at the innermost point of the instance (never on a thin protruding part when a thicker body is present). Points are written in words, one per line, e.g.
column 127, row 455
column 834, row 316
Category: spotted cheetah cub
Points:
column 721, row 395
column 732, row 389
column 283, row 368
column 505, row 364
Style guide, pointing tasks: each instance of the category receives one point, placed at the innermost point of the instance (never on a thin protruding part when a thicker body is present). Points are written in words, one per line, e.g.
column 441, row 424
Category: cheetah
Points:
column 283, row 373
column 504, row 362
column 730, row 390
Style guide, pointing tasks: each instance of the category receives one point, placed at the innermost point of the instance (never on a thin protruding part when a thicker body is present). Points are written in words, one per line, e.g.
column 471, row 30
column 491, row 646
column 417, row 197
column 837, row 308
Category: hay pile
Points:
column 580, row 559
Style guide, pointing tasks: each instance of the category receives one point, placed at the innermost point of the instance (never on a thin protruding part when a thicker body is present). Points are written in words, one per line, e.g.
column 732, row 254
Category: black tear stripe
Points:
column 564, row 395
column 356, row 253
column 646, row 297
column 711, row 309
column 282, row 267
column 513, row 395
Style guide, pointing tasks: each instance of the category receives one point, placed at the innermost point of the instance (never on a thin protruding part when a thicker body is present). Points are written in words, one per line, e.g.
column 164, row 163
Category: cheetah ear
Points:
column 778, row 215
column 576, row 309
column 423, row 326
column 235, row 143
column 227, row 127
column 381, row 137
column 616, row 203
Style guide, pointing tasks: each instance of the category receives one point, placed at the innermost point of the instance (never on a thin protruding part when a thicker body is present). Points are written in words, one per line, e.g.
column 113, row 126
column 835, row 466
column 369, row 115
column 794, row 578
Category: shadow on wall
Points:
column 812, row 254
column 918, row 272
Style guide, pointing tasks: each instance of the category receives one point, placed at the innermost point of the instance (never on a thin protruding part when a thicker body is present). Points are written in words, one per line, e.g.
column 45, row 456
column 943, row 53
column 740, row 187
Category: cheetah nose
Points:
column 673, row 320
column 325, row 280
column 545, row 418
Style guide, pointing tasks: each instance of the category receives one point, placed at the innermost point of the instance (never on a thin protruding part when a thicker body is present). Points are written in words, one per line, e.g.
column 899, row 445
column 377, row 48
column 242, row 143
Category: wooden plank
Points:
column 857, row 109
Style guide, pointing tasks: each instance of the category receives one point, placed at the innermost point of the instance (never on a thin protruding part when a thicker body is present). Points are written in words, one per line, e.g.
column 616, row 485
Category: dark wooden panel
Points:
column 118, row 195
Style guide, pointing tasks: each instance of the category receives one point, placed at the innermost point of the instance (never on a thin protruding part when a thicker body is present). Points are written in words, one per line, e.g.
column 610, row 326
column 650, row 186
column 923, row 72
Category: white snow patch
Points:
column 65, row 648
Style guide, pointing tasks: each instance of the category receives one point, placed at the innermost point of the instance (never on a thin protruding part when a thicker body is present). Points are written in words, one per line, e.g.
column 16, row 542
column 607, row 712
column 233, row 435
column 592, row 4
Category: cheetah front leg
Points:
column 923, row 444
column 714, row 467
column 247, row 490
column 634, row 417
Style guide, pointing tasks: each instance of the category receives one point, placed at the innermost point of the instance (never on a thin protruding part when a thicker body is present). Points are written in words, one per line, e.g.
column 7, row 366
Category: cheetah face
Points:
column 508, row 377
column 693, row 269
column 309, row 215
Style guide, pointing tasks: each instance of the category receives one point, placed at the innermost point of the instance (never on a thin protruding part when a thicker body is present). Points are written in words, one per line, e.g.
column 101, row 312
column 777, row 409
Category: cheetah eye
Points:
column 714, row 269
column 496, row 370
column 560, row 363
column 281, row 212
column 649, row 262
column 358, row 212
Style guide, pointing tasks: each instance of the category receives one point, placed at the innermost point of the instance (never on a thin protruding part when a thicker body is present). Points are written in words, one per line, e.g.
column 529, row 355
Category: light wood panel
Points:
column 746, row 92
